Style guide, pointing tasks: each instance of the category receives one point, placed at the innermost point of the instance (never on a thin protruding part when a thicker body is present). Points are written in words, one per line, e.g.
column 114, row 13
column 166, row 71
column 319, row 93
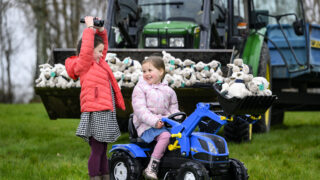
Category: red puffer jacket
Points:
column 94, row 77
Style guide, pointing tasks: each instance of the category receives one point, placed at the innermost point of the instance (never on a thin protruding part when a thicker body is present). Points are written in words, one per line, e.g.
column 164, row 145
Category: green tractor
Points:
column 200, row 30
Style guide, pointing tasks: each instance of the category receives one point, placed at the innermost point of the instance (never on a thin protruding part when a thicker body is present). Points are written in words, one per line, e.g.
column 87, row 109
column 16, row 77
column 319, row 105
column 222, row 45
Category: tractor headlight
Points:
column 152, row 42
column 212, row 148
column 176, row 42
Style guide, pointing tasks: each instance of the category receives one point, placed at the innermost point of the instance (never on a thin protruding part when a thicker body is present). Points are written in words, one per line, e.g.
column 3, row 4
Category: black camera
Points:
column 96, row 22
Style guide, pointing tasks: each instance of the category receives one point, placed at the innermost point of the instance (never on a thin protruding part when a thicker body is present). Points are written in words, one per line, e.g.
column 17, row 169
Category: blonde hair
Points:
column 157, row 62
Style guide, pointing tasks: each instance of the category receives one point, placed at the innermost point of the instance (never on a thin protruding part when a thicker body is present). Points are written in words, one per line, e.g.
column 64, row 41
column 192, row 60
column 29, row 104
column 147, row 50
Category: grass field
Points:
column 34, row 147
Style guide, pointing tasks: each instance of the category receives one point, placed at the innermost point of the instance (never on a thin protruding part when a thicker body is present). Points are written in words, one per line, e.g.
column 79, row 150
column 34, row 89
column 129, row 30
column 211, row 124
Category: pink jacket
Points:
column 152, row 102
column 94, row 77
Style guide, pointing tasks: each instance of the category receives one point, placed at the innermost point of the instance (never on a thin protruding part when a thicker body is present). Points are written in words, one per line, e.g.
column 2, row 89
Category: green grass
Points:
column 34, row 147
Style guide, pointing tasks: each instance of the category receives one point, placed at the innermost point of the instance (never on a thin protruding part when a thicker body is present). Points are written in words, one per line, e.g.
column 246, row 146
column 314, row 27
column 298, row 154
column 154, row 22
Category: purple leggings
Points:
column 98, row 161
column 161, row 146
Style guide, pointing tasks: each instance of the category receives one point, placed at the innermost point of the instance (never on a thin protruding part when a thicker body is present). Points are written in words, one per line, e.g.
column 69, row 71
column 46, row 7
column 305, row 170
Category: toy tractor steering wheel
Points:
column 174, row 116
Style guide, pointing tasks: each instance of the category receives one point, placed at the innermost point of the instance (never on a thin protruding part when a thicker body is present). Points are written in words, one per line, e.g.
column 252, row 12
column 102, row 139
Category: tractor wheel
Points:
column 192, row 171
column 263, row 125
column 238, row 130
column 237, row 170
column 277, row 116
column 124, row 167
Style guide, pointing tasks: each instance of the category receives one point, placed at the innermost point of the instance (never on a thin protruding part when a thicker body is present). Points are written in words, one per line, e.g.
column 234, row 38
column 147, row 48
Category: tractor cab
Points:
column 188, row 24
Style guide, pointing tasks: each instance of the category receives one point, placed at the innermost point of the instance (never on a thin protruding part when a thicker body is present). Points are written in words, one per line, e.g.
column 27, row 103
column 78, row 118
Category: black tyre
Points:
column 237, row 170
column 124, row 167
column 263, row 125
column 237, row 130
column 192, row 171
column 277, row 116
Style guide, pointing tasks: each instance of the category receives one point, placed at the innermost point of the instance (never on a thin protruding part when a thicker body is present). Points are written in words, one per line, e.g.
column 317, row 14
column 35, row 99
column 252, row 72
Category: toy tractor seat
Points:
column 254, row 105
column 133, row 135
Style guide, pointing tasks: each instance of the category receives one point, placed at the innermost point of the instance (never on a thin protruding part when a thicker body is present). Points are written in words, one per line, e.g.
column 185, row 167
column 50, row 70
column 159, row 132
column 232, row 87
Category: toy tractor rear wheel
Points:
column 263, row 125
column 124, row 167
column 238, row 130
column 192, row 171
column 237, row 170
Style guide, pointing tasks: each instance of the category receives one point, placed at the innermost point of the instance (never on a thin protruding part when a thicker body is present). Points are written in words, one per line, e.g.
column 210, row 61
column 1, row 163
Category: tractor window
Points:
column 218, row 24
column 276, row 7
column 170, row 10
column 238, row 15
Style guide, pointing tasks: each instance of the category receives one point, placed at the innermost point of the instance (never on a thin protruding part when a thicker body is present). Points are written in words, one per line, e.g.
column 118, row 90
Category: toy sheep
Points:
column 202, row 72
column 45, row 75
column 61, row 78
column 238, row 88
column 259, row 86
column 243, row 67
column 188, row 76
column 130, row 64
column 119, row 77
column 188, row 64
column 167, row 57
column 127, row 80
column 174, row 66
column 113, row 62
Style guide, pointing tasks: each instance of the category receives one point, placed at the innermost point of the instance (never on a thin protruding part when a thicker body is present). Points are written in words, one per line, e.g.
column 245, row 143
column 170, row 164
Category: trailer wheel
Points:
column 263, row 125
column 237, row 170
column 192, row 171
column 124, row 167
column 238, row 130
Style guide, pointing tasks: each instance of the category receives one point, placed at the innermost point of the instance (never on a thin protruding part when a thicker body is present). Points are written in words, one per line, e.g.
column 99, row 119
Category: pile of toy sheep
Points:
column 179, row 74
column 56, row 76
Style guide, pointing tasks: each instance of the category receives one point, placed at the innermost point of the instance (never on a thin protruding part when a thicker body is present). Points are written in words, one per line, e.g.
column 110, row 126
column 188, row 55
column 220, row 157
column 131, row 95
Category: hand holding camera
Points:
column 93, row 22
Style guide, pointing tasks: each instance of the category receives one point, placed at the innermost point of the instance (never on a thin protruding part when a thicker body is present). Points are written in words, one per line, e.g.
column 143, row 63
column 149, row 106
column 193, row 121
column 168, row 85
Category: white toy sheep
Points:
column 127, row 80
column 259, row 86
column 188, row 76
column 188, row 64
column 60, row 76
column 174, row 66
column 119, row 77
column 45, row 75
column 243, row 67
column 113, row 62
column 238, row 88
column 167, row 57
column 130, row 64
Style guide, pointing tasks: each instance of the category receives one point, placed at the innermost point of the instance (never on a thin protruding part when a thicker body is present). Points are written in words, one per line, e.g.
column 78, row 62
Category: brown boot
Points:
column 105, row 177
column 151, row 171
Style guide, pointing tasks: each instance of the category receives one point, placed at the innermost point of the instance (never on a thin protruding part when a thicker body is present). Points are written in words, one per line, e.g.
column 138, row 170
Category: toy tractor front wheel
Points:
column 192, row 171
column 237, row 170
column 124, row 167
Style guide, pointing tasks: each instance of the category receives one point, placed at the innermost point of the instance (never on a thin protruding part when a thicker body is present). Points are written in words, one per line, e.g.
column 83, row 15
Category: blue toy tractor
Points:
column 192, row 155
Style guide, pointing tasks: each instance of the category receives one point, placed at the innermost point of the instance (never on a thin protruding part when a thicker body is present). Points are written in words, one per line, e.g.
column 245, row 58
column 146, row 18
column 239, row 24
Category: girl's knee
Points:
column 165, row 135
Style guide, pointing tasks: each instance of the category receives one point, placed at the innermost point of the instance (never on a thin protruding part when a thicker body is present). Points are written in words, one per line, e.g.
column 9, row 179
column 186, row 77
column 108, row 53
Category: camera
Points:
column 96, row 22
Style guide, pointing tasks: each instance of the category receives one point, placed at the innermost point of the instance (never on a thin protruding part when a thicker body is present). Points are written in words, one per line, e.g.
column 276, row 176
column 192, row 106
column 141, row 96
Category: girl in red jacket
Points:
column 100, row 94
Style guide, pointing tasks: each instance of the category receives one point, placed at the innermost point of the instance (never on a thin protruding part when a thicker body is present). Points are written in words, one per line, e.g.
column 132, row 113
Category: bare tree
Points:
column 55, row 24
column 6, row 51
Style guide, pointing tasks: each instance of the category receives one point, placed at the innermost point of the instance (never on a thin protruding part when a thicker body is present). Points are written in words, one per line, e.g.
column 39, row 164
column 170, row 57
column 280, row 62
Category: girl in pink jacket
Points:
column 100, row 94
column 153, row 99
